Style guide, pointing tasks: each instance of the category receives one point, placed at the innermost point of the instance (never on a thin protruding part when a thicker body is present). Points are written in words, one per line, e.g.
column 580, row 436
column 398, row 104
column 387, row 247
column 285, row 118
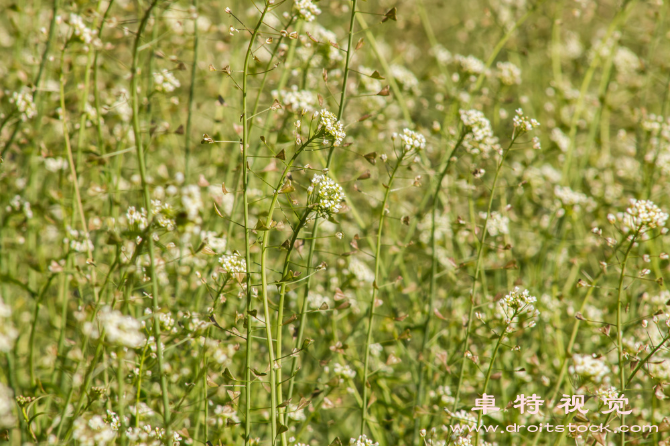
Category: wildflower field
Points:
column 302, row 222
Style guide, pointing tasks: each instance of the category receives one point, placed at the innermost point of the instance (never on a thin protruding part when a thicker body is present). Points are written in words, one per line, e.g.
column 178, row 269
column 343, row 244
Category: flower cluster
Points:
column 78, row 241
column 479, row 137
column 411, row 140
column 165, row 81
column 233, row 264
column 463, row 441
column 570, row 198
column 646, row 215
column 6, row 406
column 221, row 416
column 343, row 371
column 470, row 64
column 405, row 78
column 18, row 204
column 164, row 214
column 24, row 104
column 362, row 441
column 518, row 301
column 332, row 127
column 146, row 436
column 137, row 220
column 297, row 100
column 328, row 195
column 84, row 33
column 497, row 224
column 121, row 330
column 191, row 199
column 588, row 367
column 508, row 73
column 8, row 333
column 523, row 123
column 606, row 392
column 55, row 164
column 307, row 9
column 92, row 431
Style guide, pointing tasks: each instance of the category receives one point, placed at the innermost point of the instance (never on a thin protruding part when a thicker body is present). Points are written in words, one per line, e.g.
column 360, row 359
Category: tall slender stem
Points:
column 373, row 297
column 478, row 265
column 245, row 186
column 147, row 203
column 191, row 94
column 619, row 327
column 315, row 226
column 433, row 285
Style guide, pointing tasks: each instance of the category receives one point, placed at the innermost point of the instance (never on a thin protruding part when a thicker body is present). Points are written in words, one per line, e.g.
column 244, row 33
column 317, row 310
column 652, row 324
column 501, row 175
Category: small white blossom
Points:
column 121, row 330
column 523, row 123
column 327, row 195
column 508, row 73
column 24, row 104
column 165, row 81
column 307, row 9
column 412, row 140
column 233, row 264
column 332, row 127
column 646, row 215
column 362, row 441
column 589, row 367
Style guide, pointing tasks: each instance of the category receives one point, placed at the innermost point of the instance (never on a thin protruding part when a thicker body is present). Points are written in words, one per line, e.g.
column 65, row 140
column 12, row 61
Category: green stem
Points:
column 473, row 292
column 373, row 297
column 488, row 372
column 191, row 94
column 579, row 108
column 247, row 247
column 147, row 204
column 619, row 327
column 433, row 286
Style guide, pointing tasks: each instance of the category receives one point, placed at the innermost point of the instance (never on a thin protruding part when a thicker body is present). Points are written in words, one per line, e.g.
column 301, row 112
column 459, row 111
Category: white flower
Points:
column 479, row 137
column 55, row 164
column 645, row 214
column 344, row 371
column 8, row 333
column 405, row 78
column 497, row 224
column 191, row 200
column 361, row 270
column 508, row 73
column 24, row 104
column 589, row 367
column 332, row 127
column 517, row 301
column 523, row 123
column 136, row 219
column 6, row 406
column 327, row 194
column 93, row 431
column 605, row 392
column 121, row 330
column 78, row 241
column 84, row 33
column 233, row 264
column 412, row 140
column 165, row 81
column 536, row 143
column 470, row 64
column 362, row 441
column 297, row 100
column 570, row 198
column 463, row 441
column 307, row 9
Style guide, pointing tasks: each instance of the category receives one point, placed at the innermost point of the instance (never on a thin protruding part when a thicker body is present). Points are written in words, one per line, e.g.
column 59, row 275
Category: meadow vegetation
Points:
column 301, row 222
